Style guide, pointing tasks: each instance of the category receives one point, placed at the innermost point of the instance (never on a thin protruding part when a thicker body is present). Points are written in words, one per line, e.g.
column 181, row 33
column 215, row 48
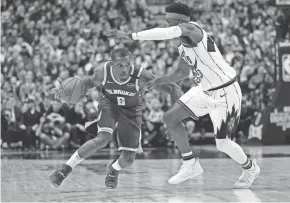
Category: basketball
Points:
column 72, row 91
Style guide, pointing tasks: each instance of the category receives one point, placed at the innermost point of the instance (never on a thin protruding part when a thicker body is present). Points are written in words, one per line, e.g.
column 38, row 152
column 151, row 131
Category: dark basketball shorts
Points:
column 128, row 125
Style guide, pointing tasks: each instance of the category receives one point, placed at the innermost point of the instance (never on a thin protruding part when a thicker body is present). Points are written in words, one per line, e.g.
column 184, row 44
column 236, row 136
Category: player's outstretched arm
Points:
column 183, row 29
column 170, row 88
column 179, row 73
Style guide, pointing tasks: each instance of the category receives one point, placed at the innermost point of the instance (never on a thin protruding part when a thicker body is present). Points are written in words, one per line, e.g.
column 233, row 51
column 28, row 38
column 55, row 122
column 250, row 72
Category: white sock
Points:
column 74, row 160
column 187, row 154
column 232, row 149
column 116, row 165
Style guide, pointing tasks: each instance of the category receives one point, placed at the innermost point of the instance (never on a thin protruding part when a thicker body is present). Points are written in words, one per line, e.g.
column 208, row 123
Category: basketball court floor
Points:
column 24, row 177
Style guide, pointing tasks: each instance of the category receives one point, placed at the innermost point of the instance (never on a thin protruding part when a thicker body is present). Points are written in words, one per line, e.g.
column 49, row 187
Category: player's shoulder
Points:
column 192, row 30
column 189, row 25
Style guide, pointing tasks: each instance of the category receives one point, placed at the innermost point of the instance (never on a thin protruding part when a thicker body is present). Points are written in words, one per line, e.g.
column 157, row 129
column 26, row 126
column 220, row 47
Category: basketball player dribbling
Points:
column 217, row 93
column 121, row 102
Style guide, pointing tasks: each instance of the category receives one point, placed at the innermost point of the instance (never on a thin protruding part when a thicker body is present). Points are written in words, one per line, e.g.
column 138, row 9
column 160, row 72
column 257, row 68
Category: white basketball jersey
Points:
column 208, row 65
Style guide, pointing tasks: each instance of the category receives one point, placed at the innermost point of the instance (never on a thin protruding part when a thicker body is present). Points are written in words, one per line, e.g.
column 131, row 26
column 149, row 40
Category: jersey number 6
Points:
column 121, row 101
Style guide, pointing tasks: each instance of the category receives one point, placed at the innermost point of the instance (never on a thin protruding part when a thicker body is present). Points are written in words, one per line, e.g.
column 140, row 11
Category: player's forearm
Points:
column 172, row 89
column 163, row 88
column 157, row 34
column 172, row 78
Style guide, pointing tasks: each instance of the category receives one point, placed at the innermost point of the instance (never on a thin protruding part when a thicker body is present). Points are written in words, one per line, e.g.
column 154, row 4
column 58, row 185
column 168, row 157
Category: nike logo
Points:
column 223, row 95
column 110, row 82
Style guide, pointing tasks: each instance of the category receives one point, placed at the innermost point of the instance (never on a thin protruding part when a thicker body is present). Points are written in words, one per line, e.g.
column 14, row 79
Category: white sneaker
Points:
column 189, row 169
column 248, row 176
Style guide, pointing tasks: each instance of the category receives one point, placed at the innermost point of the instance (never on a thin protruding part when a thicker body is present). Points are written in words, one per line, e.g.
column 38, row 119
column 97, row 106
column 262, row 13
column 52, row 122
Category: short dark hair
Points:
column 179, row 8
column 121, row 52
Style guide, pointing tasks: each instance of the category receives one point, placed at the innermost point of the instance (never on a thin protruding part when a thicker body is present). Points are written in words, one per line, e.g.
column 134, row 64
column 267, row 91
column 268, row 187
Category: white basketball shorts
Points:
column 222, row 105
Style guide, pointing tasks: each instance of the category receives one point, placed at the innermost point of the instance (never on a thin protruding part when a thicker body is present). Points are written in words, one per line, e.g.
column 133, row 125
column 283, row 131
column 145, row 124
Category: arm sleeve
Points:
column 158, row 33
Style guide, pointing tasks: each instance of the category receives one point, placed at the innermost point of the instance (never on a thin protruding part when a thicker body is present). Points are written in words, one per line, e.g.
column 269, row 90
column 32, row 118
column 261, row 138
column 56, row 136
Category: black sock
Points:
column 248, row 164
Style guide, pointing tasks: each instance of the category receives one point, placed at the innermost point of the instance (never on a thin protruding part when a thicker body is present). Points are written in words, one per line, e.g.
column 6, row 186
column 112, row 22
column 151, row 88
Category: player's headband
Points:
column 177, row 16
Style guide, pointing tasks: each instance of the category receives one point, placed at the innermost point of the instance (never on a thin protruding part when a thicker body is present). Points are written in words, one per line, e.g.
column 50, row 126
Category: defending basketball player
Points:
column 121, row 103
column 217, row 93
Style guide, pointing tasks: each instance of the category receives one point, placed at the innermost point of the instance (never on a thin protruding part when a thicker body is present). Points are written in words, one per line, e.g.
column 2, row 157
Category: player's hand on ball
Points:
column 117, row 34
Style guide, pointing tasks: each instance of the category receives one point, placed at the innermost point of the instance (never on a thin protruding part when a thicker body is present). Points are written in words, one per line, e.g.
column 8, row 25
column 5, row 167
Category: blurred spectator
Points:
column 247, row 115
column 155, row 135
column 51, row 131
column 31, row 118
column 15, row 110
column 11, row 132
column 45, row 105
column 78, row 132
column 194, row 136
column 28, row 87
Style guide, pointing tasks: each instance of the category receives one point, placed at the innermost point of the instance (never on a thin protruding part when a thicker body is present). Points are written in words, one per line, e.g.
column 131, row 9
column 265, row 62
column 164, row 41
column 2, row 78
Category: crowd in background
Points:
column 45, row 39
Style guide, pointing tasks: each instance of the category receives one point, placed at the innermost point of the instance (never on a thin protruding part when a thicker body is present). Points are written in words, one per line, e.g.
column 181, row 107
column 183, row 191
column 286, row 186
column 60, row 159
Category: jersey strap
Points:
column 136, row 74
column 105, row 72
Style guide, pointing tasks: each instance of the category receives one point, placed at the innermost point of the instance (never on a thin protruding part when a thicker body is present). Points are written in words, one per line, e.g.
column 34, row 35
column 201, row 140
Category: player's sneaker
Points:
column 112, row 177
column 189, row 169
column 59, row 175
column 248, row 176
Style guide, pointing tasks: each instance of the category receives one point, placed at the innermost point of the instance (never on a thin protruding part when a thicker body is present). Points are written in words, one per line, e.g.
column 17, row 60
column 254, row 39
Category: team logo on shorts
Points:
column 229, row 125
column 196, row 74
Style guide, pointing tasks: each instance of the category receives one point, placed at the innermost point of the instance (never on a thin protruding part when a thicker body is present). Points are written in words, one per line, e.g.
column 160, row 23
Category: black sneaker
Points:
column 112, row 177
column 59, row 175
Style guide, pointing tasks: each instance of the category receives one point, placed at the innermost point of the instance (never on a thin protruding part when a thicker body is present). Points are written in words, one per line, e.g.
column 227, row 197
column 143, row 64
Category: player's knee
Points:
column 223, row 144
column 102, row 139
column 129, row 157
